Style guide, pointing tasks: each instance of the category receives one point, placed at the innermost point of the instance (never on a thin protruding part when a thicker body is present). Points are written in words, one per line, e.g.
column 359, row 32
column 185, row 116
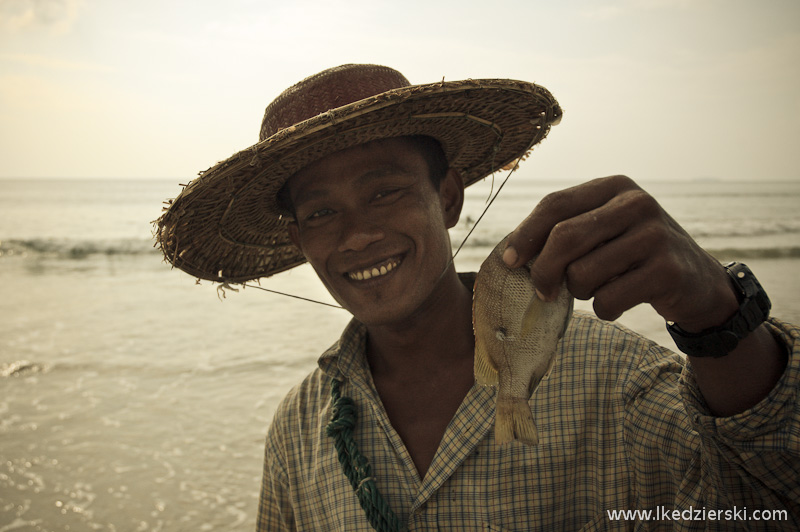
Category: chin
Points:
column 371, row 316
column 390, row 304
column 393, row 312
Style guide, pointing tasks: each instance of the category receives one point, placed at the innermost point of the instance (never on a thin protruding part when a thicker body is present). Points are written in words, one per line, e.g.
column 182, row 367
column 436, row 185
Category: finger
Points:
column 568, row 242
column 605, row 263
column 582, row 236
column 623, row 293
column 530, row 236
column 639, row 242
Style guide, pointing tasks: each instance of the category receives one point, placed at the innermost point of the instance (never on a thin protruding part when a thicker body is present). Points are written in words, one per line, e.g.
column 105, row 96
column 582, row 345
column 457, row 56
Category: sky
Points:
column 655, row 89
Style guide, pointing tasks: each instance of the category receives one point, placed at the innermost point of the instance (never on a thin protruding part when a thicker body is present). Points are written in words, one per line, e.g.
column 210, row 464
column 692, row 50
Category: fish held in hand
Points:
column 516, row 337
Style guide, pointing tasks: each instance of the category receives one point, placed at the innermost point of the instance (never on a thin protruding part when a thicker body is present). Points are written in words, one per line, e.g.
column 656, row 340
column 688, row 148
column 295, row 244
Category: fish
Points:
column 516, row 337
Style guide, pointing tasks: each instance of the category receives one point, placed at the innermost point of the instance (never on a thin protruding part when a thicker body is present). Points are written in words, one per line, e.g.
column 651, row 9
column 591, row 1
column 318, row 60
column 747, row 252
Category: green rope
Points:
column 356, row 467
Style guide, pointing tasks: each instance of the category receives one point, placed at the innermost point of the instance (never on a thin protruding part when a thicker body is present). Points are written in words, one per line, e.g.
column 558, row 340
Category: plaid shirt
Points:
column 622, row 426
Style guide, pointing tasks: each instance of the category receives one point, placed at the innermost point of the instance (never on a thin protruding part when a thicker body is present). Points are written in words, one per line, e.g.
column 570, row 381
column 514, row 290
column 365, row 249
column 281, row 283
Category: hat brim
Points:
column 227, row 226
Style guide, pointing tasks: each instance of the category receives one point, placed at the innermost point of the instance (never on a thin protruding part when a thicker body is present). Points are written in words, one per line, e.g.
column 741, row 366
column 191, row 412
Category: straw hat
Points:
column 227, row 225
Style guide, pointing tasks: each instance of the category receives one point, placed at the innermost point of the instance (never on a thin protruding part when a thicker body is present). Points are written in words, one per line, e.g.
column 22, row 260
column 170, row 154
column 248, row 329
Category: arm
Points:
column 684, row 457
column 612, row 241
column 275, row 510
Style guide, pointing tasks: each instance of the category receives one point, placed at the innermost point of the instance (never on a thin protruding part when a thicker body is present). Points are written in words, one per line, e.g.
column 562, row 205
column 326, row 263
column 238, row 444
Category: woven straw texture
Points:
column 226, row 225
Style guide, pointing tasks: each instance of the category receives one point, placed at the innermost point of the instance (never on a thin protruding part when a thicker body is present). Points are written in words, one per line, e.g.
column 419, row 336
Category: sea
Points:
column 133, row 398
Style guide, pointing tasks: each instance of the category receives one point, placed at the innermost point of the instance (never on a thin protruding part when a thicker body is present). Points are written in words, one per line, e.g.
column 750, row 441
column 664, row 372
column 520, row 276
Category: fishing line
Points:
column 291, row 295
column 489, row 203
column 485, row 210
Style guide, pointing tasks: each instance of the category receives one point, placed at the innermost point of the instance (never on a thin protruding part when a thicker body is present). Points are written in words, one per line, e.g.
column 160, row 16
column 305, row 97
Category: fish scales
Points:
column 516, row 337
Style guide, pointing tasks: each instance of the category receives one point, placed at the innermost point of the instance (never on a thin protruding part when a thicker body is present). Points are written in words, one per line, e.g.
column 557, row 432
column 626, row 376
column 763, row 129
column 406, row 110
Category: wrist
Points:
column 725, row 303
column 751, row 309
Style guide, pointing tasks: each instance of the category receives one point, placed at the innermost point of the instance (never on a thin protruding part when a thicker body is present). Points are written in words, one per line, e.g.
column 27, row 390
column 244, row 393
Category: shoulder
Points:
column 299, row 417
column 303, row 404
column 639, row 378
column 589, row 334
column 296, row 422
column 612, row 352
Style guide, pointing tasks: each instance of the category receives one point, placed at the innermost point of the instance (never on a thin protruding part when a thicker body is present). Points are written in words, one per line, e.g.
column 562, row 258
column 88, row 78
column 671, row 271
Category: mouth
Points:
column 376, row 270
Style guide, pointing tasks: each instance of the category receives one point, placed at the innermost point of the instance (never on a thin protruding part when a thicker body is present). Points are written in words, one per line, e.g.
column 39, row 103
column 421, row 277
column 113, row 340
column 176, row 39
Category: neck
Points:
column 435, row 337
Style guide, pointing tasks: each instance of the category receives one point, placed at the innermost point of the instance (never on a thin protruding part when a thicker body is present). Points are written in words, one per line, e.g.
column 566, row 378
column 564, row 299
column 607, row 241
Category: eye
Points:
column 319, row 214
column 387, row 193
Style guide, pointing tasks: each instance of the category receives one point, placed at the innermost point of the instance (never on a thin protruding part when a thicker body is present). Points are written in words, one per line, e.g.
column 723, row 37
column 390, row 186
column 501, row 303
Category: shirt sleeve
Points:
column 754, row 456
column 275, row 511
column 731, row 468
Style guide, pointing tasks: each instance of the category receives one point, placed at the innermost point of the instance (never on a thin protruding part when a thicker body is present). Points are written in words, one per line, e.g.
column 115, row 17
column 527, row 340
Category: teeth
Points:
column 374, row 272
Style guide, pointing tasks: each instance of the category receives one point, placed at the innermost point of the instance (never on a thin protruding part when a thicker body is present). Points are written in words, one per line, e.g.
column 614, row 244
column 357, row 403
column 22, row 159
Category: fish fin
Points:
column 524, row 427
column 485, row 372
column 504, row 421
column 531, row 315
column 514, row 421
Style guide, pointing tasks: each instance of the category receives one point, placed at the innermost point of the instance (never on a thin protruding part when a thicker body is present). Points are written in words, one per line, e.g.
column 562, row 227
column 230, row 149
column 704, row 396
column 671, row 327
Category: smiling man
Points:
column 373, row 223
column 361, row 174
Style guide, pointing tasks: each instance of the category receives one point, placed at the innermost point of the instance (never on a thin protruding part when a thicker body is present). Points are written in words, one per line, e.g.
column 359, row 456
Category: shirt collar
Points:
column 347, row 354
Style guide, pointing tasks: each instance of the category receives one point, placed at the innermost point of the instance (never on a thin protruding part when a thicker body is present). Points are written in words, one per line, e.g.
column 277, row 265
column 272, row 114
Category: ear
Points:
column 451, row 196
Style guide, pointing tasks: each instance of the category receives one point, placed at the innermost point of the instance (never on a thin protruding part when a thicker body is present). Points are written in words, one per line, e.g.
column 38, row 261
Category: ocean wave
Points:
column 19, row 368
column 743, row 228
column 788, row 252
column 698, row 226
column 721, row 253
column 74, row 249
column 69, row 249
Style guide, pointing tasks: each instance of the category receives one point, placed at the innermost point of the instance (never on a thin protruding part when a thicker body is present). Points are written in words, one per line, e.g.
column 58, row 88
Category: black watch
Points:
column 754, row 307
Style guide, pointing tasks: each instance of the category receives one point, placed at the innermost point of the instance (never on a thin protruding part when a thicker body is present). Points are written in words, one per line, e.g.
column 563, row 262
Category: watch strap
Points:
column 754, row 307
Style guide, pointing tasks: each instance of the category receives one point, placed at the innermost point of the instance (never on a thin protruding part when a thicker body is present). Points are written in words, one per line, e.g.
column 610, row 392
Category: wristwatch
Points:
column 754, row 307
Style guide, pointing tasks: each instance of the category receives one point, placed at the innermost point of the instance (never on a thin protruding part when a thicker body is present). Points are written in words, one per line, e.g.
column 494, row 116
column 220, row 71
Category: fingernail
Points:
column 539, row 294
column 510, row 256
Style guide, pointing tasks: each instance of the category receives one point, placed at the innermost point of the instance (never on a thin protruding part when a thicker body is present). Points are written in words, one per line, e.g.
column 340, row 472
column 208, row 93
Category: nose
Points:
column 358, row 232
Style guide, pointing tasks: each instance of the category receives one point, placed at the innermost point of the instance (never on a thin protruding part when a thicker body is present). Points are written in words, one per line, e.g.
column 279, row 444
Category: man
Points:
column 361, row 174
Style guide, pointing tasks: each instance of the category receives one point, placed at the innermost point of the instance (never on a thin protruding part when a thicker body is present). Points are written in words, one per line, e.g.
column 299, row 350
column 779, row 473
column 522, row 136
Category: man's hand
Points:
column 613, row 241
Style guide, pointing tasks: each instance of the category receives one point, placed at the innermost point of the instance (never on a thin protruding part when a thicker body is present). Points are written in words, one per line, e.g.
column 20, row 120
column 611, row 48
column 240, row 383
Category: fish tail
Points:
column 514, row 421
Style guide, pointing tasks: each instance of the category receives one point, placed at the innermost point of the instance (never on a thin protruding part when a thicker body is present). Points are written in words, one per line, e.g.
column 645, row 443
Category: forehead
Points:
column 364, row 161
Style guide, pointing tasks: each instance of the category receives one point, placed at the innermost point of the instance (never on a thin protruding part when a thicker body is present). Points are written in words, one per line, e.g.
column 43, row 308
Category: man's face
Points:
column 374, row 227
